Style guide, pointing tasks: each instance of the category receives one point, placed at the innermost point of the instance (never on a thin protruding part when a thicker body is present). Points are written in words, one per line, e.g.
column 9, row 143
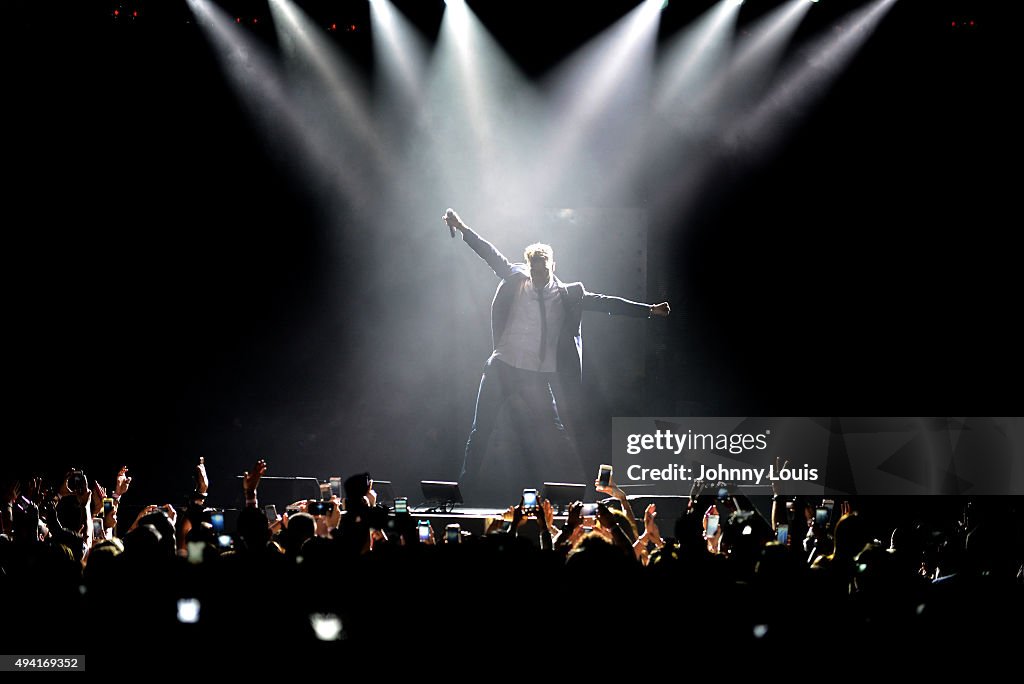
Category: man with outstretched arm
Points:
column 537, row 341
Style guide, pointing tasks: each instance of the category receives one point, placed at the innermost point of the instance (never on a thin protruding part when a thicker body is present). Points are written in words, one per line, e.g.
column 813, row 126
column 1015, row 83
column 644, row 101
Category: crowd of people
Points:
column 348, row 572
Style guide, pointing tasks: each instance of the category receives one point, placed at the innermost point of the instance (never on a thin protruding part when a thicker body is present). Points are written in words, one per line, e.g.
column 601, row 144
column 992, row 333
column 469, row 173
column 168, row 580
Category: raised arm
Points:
column 501, row 266
column 623, row 307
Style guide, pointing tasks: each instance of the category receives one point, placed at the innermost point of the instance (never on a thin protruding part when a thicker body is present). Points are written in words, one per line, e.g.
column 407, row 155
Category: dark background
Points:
column 172, row 293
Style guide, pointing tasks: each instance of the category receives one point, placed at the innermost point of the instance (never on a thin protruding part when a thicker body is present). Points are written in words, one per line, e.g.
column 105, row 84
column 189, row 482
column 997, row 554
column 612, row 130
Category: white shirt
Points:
column 519, row 345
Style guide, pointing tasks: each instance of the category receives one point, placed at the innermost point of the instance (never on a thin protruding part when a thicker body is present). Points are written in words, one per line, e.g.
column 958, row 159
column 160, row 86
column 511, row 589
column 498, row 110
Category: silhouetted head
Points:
column 162, row 524
column 253, row 528
column 541, row 259
column 850, row 536
column 70, row 513
column 25, row 520
column 301, row 526
column 357, row 487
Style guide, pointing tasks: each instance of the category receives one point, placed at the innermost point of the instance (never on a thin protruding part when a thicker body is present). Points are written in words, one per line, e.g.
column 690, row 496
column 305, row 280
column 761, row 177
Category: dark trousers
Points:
column 543, row 429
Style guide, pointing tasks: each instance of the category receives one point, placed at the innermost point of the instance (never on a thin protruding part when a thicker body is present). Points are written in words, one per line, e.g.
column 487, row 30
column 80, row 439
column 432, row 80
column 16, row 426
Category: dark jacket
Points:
column 574, row 297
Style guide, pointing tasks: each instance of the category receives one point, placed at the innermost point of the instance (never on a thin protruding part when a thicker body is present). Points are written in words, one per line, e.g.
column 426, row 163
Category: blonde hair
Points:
column 539, row 249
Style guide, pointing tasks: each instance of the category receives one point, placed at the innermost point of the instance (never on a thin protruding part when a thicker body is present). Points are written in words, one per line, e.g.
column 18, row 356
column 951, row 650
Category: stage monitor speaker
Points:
column 561, row 494
column 440, row 494
column 282, row 491
column 385, row 493
column 670, row 508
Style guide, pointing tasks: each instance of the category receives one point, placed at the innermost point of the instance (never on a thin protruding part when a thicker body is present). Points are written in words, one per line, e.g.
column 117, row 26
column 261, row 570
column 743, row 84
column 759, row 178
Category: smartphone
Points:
column 224, row 541
column 589, row 510
column 604, row 475
column 196, row 549
column 782, row 534
column 723, row 493
column 821, row 516
column 424, row 526
column 271, row 511
column 712, row 525
column 217, row 520
column 320, row 507
column 108, row 505
column 402, row 504
column 829, row 504
column 77, row 482
column 453, row 534
column 530, row 499
column 335, row 485
column 325, row 492
column 97, row 528
column 188, row 611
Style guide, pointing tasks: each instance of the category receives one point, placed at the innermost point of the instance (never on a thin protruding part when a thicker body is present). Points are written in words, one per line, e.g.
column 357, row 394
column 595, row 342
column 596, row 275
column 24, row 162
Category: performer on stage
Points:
column 538, row 346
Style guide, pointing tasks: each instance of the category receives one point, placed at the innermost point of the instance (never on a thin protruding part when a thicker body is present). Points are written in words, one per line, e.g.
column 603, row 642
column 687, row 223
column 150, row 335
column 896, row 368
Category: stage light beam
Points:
column 482, row 111
column 259, row 84
column 401, row 55
column 698, row 52
column 335, row 86
column 597, row 96
column 807, row 77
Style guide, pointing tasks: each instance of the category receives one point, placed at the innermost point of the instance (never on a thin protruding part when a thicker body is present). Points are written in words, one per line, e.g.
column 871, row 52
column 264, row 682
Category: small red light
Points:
column 954, row 24
column 135, row 13
column 238, row 20
column 117, row 13
column 255, row 20
column 972, row 22
column 334, row 27
column 352, row 28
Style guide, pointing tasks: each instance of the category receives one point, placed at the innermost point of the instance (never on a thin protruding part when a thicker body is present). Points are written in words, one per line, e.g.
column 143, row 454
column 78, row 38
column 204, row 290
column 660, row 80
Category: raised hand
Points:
column 98, row 494
column 110, row 519
column 152, row 508
column 715, row 537
column 605, row 517
column 575, row 517
column 518, row 516
column 662, row 309
column 202, row 481
column 251, row 480
column 651, row 530
column 171, row 512
column 334, row 517
column 122, row 482
column 83, row 492
column 453, row 221
column 611, row 490
column 547, row 515
column 65, row 488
